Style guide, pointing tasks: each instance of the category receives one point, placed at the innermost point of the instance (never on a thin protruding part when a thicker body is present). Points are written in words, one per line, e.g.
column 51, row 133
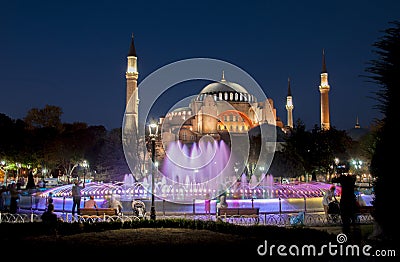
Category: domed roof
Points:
column 357, row 132
column 223, row 86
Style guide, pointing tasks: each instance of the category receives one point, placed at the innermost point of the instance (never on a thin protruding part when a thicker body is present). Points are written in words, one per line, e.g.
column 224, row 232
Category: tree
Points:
column 315, row 150
column 49, row 116
column 111, row 160
column 385, row 71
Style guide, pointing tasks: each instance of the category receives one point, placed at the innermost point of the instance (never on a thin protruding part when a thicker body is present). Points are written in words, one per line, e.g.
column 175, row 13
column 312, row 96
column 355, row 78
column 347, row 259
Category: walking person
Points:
column 327, row 198
column 76, row 197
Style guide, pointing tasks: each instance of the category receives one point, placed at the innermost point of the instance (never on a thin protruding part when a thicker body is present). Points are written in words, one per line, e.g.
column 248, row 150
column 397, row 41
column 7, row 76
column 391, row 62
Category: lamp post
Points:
column 85, row 166
column 18, row 165
column 357, row 166
column 153, row 129
column 336, row 165
column 44, row 173
column 4, row 168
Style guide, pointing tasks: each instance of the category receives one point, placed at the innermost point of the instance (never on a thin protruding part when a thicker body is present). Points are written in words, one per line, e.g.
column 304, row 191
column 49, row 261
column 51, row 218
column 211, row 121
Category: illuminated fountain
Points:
column 203, row 169
column 192, row 172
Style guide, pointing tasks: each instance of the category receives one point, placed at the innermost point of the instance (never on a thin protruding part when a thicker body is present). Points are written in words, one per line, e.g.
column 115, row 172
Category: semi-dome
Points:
column 182, row 109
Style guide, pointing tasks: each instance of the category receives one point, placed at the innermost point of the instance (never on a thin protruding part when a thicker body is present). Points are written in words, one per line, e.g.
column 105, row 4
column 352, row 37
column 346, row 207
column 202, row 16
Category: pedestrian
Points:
column 222, row 201
column 31, row 181
column 348, row 200
column 116, row 204
column 328, row 197
column 15, row 197
column 76, row 197
column 3, row 197
column 207, row 204
column 6, row 198
column 37, row 196
column 49, row 199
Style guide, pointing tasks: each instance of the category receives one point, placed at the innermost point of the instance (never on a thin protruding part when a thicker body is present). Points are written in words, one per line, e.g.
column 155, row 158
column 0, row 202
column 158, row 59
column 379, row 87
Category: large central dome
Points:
column 226, row 91
column 223, row 86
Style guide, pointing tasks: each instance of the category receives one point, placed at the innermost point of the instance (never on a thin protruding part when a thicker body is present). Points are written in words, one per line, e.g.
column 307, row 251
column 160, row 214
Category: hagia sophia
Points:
column 219, row 107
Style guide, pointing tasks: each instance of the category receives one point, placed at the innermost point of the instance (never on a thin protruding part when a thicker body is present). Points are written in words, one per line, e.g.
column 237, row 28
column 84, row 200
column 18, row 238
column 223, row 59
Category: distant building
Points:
column 357, row 132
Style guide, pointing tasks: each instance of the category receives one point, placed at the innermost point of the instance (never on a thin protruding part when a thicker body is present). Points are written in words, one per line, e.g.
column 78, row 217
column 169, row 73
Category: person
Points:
column 15, row 197
column 207, row 204
column 222, row 202
column 348, row 200
column 31, row 181
column 116, row 204
column 37, row 196
column 49, row 199
column 106, row 201
column 2, row 197
column 6, row 198
column 139, row 208
column 91, row 203
column 50, row 218
column 327, row 198
column 76, row 197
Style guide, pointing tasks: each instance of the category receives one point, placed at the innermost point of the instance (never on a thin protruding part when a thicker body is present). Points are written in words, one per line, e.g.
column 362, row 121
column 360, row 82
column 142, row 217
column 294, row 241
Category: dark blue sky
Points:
column 72, row 54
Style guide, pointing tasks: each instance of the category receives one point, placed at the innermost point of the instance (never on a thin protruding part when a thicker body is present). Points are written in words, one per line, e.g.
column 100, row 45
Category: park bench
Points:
column 238, row 212
column 365, row 210
column 98, row 211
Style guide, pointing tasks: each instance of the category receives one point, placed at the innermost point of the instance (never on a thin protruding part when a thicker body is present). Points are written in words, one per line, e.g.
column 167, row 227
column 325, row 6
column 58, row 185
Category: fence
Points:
column 279, row 219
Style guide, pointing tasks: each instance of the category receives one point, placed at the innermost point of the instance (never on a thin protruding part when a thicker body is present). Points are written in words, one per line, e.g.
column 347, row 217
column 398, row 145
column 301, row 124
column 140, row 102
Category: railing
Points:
column 310, row 219
column 66, row 217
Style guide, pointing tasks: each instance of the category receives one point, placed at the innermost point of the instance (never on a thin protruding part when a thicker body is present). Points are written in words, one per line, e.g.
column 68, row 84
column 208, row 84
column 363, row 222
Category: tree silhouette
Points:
column 385, row 71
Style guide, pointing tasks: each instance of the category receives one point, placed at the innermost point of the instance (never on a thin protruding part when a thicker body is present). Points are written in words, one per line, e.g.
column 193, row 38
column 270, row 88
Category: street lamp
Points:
column 153, row 129
column 357, row 166
column 4, row 168
column 336, row 165
column 85, row 166
column 18, row 169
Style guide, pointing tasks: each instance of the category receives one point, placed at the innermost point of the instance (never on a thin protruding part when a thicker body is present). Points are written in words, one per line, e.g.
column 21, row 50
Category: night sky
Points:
column 72, row 54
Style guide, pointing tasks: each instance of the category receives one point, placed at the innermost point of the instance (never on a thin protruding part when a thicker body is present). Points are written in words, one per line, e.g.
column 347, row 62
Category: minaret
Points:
column 357, row 124
column 132, row 98
column 289, row 106
column 324, row 90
